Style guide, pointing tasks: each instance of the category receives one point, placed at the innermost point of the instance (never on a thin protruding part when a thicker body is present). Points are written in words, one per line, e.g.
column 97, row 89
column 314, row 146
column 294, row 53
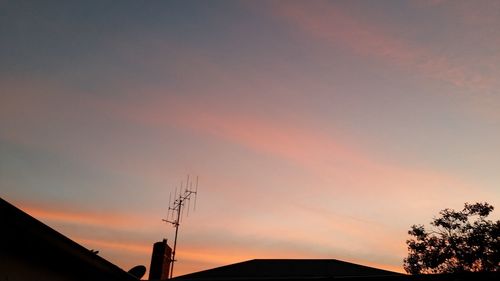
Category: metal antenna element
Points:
column 178, row 211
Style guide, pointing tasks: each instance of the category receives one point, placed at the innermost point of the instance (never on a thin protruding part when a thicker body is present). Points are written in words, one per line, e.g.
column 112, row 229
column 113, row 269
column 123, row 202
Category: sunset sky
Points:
column 318, row 129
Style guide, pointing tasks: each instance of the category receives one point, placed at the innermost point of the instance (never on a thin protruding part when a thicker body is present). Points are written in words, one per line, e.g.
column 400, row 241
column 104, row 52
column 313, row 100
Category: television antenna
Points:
column 176, row 210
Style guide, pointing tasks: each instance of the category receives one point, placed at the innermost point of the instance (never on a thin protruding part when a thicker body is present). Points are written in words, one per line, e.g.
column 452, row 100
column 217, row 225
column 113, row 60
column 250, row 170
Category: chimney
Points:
column 160, row 261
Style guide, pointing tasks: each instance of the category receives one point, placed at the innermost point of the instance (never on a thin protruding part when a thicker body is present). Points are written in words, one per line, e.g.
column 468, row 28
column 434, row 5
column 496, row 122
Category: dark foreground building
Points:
column 30, row 250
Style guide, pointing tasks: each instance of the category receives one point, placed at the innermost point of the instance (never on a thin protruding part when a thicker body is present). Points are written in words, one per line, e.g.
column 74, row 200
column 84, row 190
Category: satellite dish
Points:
column 138, row 271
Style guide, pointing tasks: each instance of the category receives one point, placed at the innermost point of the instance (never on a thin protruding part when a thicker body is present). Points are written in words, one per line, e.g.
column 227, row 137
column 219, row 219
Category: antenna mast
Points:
column 177, row 211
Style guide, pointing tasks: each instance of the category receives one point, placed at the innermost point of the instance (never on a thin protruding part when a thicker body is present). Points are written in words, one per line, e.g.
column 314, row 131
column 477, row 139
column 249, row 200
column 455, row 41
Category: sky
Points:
column 318, row 129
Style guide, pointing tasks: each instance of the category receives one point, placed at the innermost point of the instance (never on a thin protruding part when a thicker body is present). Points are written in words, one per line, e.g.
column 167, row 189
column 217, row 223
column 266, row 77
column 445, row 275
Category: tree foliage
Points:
column 458, row 241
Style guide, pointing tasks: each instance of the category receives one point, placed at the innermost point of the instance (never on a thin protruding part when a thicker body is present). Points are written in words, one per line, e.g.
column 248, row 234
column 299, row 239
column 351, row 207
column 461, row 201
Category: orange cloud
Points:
column 127, row 246
column 85, row 218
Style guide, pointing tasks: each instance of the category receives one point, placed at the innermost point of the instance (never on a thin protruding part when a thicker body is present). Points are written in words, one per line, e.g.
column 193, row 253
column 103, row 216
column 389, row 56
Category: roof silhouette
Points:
column 31, row 250
column 320, row 270
column 288, row 268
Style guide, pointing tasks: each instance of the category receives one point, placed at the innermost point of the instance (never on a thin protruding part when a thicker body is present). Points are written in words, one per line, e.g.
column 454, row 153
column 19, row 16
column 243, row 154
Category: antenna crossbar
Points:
column 177, row 208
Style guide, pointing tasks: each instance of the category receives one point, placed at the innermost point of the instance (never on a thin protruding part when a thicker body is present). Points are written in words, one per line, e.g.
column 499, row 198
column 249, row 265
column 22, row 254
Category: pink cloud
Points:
column 333, row 160
column 430, row 2
column 326, row 22
column 320, row 153
column 329, row 23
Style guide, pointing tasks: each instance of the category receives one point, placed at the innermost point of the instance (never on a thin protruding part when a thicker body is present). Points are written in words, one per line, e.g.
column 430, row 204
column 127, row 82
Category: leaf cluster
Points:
column 458, row 241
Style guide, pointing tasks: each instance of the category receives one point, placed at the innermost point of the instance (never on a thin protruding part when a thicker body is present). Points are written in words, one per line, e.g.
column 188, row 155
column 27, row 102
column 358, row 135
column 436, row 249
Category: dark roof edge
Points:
column 85, row 255
column 189, row 275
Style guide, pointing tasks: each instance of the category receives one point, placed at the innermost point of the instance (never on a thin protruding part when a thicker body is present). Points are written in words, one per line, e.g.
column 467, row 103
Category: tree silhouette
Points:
column 458, row 241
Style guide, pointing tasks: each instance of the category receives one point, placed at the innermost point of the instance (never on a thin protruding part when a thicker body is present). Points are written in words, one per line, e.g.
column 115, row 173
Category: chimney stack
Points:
column 160, row 261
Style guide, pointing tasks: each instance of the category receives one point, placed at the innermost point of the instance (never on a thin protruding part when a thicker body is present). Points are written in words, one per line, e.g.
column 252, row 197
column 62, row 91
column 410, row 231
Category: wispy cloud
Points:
column 327, row 22
column 71, row 216
column 337, row 163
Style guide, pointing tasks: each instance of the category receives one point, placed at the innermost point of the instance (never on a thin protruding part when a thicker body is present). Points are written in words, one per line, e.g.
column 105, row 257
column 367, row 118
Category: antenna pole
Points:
column 177, row 209
column 176, row 225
